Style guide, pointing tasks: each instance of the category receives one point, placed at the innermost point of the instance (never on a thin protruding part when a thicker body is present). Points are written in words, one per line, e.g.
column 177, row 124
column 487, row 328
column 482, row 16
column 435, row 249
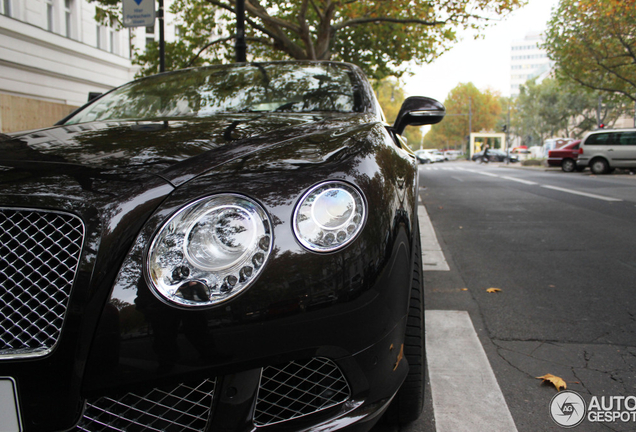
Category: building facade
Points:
column 52, row 54
column 528, row 60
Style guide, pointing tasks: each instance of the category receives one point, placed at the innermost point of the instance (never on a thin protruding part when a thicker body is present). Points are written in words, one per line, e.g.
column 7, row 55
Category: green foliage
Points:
column 594, row 44
column 383, row 37
column 561, row 108
column 484, row 109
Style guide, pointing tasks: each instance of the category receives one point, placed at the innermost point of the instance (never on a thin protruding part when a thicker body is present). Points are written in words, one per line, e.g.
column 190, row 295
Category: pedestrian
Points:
column 485, row 156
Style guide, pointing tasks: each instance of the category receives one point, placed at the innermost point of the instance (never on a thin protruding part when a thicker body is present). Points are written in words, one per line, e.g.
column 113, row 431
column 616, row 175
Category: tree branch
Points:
column 305, row 34
column 206, row 46
column 222, row 40
column 259, row 11
column 377, row 20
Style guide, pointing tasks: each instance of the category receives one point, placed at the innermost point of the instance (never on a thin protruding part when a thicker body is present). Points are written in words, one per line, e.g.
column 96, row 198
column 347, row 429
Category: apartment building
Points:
column 52, row 54
column 528, row 60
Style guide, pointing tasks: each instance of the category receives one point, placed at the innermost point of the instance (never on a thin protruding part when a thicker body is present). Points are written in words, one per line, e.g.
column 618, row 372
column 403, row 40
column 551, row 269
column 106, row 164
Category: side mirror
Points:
column 418, row 111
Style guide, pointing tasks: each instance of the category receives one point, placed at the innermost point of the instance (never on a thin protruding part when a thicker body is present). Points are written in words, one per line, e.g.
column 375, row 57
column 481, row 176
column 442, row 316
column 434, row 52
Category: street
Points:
column 559, row 247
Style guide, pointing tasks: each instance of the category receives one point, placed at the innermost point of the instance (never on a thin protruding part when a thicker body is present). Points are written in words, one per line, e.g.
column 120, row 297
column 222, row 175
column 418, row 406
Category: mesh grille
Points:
column 298, row 389
column 176, row 409
column 39, row 254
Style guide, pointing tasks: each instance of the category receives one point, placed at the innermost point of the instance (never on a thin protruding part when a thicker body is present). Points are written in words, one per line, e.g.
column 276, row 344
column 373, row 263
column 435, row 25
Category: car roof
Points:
column 612, row 130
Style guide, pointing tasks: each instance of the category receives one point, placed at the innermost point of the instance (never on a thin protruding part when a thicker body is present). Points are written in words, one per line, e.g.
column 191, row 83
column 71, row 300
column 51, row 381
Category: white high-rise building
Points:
column 528, row 60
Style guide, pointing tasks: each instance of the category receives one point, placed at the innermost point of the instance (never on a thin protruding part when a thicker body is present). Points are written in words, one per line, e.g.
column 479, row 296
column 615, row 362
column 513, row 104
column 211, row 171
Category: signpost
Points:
column 139, row 13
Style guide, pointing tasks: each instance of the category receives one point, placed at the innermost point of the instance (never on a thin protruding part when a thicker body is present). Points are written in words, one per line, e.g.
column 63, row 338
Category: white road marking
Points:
column 465, row 392
column 432, row 256
column 519, row 180
column 556, row 188
column 589, row 195
column 487, row 174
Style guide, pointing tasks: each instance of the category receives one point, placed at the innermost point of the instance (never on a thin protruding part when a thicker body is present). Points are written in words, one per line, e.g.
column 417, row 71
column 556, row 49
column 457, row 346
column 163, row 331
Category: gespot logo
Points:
column 567, row 409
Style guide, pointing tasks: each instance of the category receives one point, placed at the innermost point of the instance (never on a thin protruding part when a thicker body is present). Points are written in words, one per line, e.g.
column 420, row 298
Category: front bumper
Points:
column 349, row 393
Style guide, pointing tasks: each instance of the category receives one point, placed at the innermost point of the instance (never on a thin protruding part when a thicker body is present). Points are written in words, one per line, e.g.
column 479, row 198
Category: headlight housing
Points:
column 209, row 251
column 329, row 216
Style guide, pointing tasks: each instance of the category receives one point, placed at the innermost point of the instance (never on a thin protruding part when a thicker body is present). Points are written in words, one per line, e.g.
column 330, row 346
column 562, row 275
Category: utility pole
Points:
column 240, row 45
column 507, row 135
column 162, row 39
column 470, row 124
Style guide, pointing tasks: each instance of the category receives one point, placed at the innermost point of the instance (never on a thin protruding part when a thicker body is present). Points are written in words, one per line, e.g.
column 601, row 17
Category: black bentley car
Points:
column 230, row 248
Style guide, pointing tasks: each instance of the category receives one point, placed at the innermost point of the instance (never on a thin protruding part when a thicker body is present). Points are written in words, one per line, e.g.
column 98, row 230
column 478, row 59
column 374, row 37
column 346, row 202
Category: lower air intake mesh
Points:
column 297, row 389
column 180, row 408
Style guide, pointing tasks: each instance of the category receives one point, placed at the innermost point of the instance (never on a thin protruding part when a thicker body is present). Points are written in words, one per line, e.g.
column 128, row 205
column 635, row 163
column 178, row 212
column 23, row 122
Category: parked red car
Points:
column 565, row 156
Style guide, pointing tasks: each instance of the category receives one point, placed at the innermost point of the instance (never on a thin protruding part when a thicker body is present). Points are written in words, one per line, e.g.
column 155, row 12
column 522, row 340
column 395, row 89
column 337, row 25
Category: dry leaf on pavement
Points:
column 558, row 382
column 493, row 290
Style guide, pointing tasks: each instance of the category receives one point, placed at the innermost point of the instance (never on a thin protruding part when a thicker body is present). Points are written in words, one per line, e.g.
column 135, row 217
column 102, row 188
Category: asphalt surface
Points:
column 561, row 247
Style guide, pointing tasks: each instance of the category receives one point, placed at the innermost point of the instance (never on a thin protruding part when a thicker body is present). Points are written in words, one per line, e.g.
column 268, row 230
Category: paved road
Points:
column 562, row 250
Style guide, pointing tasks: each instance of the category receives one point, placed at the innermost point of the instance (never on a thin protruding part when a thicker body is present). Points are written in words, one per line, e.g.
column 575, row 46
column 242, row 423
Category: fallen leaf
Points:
column 558, row 382
column 464, row 289
column 399, row 357
column 493, row 290
column 552, row 286
column 461, row 227
column 441, row 207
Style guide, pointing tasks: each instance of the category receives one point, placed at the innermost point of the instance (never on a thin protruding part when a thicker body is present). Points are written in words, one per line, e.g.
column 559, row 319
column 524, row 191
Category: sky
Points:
column 484, row 62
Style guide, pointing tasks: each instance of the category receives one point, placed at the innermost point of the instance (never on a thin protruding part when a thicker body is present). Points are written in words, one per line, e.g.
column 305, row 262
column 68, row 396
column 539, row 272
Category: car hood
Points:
column 176, row 151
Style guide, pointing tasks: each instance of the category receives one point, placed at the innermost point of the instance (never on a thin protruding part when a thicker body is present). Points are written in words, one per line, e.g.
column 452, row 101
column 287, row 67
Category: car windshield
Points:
column 203, row 92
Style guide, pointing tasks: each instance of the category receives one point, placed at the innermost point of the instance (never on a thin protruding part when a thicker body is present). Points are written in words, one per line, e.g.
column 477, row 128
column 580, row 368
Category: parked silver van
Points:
column 604, row 150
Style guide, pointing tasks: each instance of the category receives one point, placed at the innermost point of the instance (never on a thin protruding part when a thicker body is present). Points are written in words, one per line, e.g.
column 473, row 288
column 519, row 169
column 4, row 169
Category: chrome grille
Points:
column 39, row 254
column 298, row 389
column 181, row 408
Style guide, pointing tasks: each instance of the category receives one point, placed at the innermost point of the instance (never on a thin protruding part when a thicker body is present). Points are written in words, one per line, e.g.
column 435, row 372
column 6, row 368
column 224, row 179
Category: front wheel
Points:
column 599, row 166
column 408, row 403
column 568, row 165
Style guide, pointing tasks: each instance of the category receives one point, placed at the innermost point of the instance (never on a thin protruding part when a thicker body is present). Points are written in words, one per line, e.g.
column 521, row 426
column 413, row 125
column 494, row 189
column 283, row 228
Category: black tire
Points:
column 568, row 165
column 599, row 166
column 408, row 403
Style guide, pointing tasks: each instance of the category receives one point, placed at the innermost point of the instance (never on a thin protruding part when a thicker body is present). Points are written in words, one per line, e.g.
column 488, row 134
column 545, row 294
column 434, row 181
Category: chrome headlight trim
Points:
column 209, row 251
column 329, row 216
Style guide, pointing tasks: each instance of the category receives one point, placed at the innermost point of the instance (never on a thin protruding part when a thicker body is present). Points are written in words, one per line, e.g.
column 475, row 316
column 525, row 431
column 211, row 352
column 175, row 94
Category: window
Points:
column 111, row 40
column 599, row 139
column 50, row 15
column 100, row 42
column 68, row 18
column 5, row 7
column 150, row 35
column 627, row 138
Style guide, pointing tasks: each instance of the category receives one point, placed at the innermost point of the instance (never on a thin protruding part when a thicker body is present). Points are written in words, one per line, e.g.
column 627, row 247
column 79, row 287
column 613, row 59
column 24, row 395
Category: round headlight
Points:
column 329, row 216
column 209, row 251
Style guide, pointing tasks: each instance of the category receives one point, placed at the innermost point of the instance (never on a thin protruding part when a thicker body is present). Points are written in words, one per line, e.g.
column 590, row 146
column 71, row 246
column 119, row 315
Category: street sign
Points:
column 139, row 13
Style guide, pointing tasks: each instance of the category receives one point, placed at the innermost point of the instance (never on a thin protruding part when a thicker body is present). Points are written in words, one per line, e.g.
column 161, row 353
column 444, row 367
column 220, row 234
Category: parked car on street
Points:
column 433, row 155
column 607, row 149
column 452, row 154
column 422, row 157
column 565, row 157
column 230, row 248
column 494, row 155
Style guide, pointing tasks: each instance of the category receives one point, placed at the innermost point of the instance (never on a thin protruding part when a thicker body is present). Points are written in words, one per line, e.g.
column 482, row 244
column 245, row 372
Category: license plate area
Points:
column 9, row 407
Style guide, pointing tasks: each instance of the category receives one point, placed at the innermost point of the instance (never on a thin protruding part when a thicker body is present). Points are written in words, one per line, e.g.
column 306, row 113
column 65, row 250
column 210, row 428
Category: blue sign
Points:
column 138, row 13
